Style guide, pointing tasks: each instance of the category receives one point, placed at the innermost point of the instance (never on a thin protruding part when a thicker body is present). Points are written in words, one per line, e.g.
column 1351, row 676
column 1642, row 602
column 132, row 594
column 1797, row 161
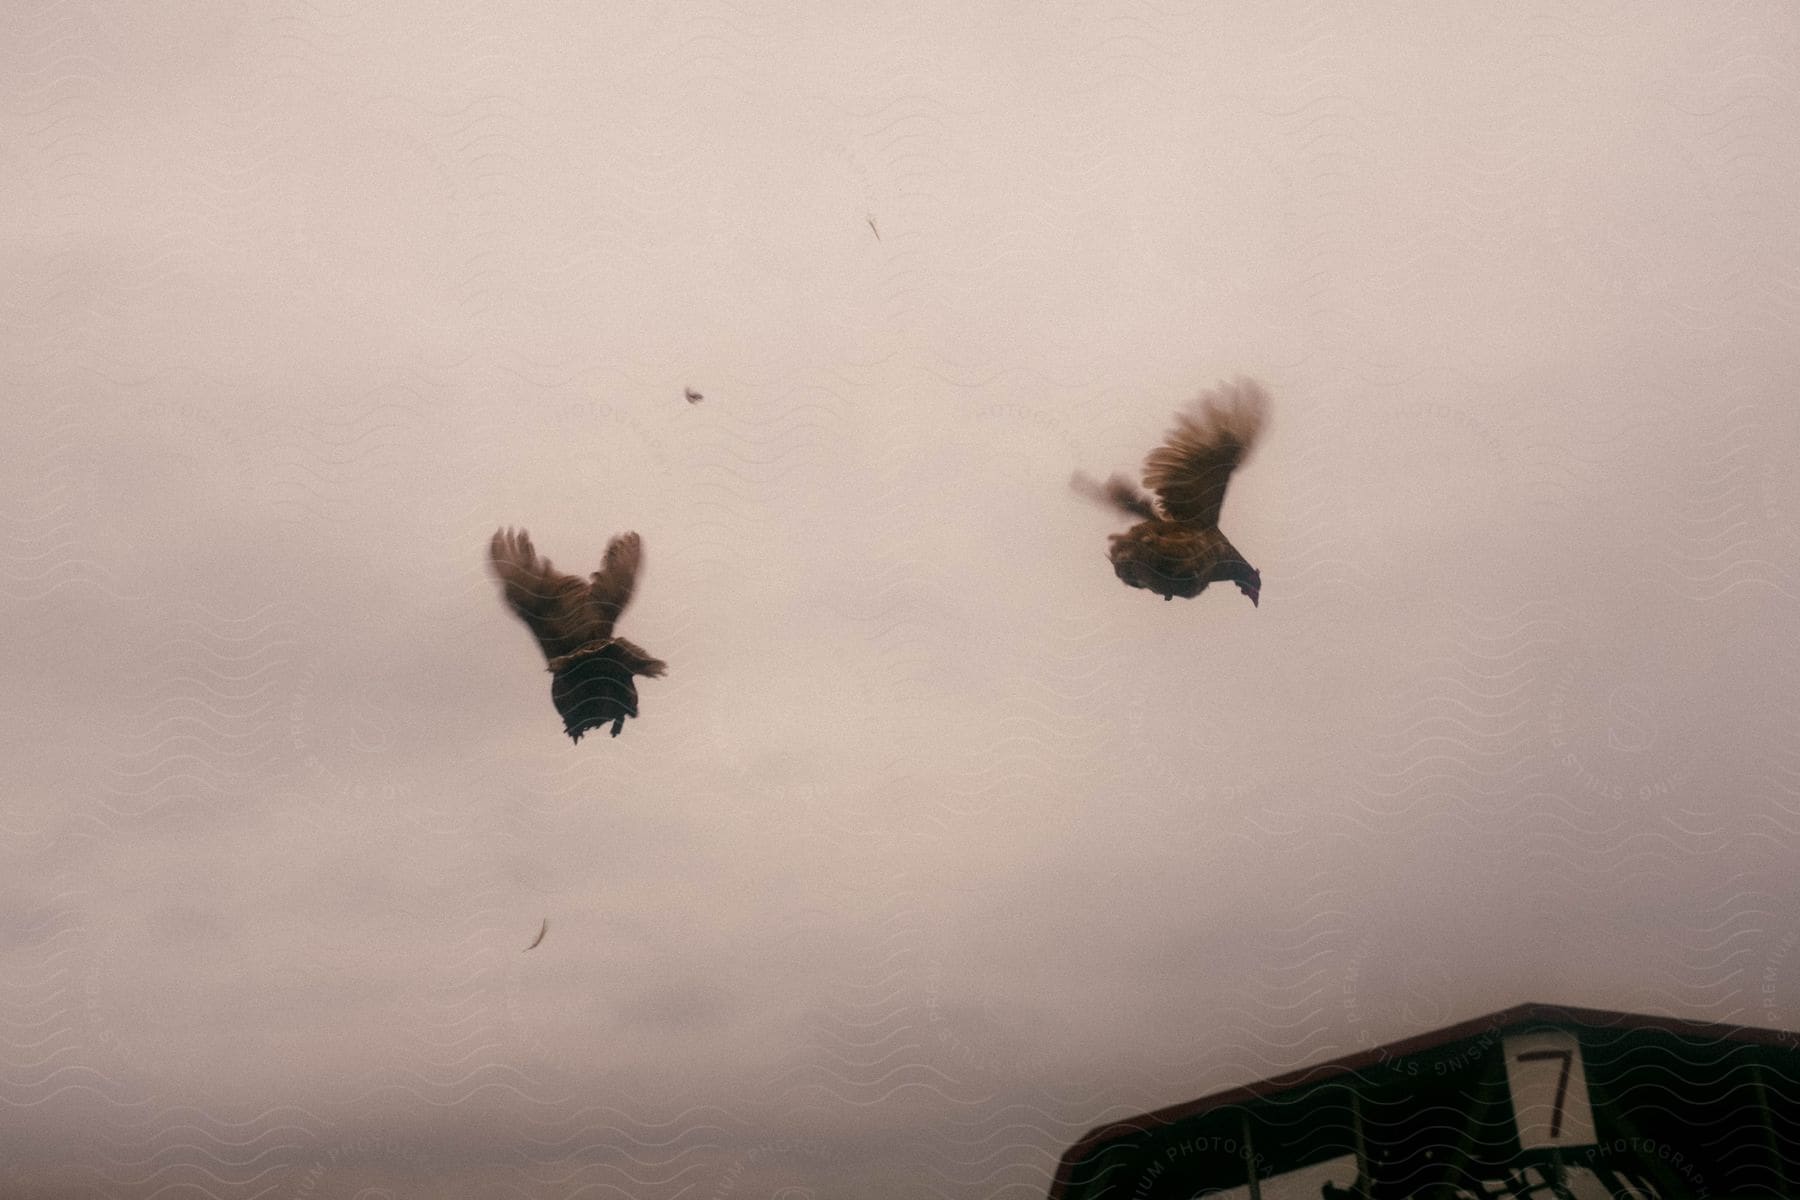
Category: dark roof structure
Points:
column 1537, row 1102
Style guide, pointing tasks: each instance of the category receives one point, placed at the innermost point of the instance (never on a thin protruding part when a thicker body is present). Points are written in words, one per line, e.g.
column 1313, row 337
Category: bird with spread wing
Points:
column 573, row 621
column 1176, row 549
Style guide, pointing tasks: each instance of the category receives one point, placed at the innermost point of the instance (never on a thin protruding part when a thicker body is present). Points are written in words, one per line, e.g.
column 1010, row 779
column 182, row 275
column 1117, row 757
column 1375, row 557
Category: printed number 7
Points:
column 1562, row 1082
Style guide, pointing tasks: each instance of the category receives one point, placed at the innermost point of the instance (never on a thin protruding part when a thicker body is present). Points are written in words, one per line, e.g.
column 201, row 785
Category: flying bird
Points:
column 1176, row 548
column 536, row 941
column 573, row 621
column 693, row 397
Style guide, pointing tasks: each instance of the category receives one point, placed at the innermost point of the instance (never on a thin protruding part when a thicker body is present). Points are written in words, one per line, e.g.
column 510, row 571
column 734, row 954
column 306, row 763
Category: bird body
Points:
column 1172, row 560
column 1176, row 548
column 592, row 669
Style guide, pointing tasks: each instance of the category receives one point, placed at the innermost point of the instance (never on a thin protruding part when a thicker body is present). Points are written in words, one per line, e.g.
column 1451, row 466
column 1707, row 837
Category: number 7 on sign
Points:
column 1562, row 1082
column 1544, row 1073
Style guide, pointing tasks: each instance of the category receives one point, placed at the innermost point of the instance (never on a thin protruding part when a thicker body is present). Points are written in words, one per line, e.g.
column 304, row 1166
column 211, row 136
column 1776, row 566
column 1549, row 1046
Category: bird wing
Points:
column 553, row 606
column 637, row 660
column 1192, row 467
column 612, row 585
column 1117, row 492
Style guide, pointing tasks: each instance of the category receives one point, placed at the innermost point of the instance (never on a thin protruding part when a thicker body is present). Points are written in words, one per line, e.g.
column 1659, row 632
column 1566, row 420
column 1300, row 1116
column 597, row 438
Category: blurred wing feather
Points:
column 1191, row 469
column 553, row 606
column 615, row 581
column 1117, row 492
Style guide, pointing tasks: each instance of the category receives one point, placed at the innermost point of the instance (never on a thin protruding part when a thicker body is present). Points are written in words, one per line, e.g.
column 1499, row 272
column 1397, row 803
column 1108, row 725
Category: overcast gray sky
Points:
column 937, row 845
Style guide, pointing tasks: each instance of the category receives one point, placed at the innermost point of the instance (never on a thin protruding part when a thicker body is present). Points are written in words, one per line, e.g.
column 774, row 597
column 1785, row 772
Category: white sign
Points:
column 1549, row 1090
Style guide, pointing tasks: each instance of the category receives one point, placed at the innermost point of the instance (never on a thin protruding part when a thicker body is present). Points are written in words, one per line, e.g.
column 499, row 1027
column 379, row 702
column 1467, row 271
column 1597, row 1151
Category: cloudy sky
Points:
column 937, row 846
